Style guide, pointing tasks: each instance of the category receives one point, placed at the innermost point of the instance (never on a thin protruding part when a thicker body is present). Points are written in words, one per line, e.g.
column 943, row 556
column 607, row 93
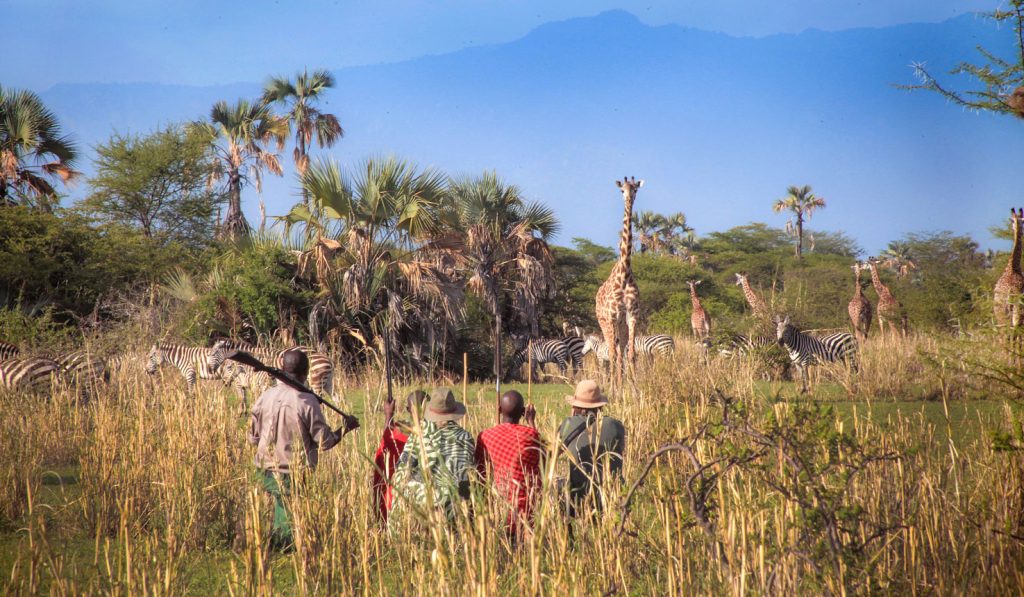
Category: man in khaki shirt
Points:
column 285, row 421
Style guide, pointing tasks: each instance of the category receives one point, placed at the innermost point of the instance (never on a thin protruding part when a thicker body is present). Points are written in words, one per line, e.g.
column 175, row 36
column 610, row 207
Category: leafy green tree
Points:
column 157, row 183
column 1001, row 80
column 300, row 98
column 802, row 202
column 237, row 135
column 34, row 152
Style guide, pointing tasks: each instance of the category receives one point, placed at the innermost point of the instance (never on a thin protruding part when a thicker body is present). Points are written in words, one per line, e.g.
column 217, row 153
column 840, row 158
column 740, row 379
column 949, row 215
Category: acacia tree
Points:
column 34, row 152
column 506, row 256
column 803, row 203
column 1002, row 80
column 237, row 135
column 300, row 98
column 156, row 183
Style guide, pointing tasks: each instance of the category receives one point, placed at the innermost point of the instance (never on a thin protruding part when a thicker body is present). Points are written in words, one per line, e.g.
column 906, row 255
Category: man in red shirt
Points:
column 510, row 455
column 392, row 443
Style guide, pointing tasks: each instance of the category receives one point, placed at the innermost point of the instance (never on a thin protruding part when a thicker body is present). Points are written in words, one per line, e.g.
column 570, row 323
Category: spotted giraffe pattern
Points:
column 700, row 321
column 1010, row 286
column 618, row 300
column 890, row 311
column 756, row 304
column 859, row 307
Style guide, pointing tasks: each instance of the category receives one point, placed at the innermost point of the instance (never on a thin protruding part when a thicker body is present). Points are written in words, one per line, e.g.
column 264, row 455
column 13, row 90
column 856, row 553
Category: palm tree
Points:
column 506, row 254
column 300, row 97
column 898, row 258
column 802, row 202
column 237, row 135
column 33, row 151
column 375, row 247
column 647, row 224
column 679, row 234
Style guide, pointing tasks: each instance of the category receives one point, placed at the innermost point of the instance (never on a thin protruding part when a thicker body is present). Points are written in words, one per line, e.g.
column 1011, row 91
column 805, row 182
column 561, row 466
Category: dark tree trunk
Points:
column 235, row 226
column 799, row 235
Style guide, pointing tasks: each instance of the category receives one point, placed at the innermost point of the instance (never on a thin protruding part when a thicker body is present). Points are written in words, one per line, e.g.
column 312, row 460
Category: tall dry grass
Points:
column 765, row 491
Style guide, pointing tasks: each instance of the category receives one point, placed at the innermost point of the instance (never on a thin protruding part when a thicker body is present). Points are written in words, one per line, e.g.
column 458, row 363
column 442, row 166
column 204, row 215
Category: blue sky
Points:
column 218, row 41
column 889, row 157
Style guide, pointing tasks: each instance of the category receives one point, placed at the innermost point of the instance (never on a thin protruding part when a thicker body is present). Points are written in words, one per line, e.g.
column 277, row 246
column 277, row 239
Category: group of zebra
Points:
column 34, row 373
column 85, row 369
column 571, row 348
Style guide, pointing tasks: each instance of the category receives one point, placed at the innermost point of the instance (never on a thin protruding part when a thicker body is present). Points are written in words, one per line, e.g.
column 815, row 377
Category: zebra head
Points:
column 217, row 355
column 591, row 343
column 785, row 331
column 156, row 358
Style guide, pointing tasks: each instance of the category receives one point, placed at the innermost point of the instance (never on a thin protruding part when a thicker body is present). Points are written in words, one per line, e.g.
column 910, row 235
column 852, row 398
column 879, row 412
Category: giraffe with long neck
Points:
column 889, row 309
column 760, row 309
column 1010, row 286
column 618, row 300
column 859, row 307
column 700, row 321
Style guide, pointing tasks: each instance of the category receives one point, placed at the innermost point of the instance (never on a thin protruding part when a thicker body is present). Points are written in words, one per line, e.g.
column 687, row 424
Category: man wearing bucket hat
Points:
column 594, row 443
column 439, row 453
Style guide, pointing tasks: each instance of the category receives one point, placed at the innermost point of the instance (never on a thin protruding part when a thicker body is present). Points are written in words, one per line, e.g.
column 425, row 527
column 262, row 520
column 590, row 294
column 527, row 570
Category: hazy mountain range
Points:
column 718, row 126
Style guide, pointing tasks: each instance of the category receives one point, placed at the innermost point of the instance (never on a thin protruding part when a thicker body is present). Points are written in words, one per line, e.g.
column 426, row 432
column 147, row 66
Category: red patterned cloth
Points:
column 391, row 446
column 511, row 455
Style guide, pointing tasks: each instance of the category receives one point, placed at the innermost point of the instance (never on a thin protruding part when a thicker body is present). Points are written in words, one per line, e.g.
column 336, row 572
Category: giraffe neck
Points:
column 694, row 299
column 1013, row 266
column 858, row 291
column 626, row 239
column 753, row 299
column 877, row 282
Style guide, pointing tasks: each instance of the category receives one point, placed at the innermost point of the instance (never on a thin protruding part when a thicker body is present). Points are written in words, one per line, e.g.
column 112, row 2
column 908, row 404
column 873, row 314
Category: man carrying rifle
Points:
column 285, row 419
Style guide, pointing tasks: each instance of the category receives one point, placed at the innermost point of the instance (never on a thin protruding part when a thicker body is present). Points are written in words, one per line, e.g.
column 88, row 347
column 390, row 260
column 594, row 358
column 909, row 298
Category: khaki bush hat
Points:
column 588, row 395
column 443, row 407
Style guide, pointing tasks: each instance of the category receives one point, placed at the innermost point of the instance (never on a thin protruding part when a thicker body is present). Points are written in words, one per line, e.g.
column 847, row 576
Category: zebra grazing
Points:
column 190, row 361
column 544, row 350
column 84, row 368
column 648, row 346
column 806, row 350
column 8, row 351
column 321, row 368
column 30, row 374
column 740, row 345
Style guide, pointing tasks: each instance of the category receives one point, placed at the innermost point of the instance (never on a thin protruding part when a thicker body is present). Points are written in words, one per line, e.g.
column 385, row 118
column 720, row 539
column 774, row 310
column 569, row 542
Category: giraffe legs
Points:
column 608, row 329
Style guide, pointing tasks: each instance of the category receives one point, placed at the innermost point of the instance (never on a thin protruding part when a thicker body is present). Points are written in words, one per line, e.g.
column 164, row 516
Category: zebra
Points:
column 31, row 374
column 648, row 346
column 740, row 345
column 8, row 351
column 321, row 368
column 544, row 350
column 806, row 350
column 84, row 367
column 574, row 347
column 190, row 361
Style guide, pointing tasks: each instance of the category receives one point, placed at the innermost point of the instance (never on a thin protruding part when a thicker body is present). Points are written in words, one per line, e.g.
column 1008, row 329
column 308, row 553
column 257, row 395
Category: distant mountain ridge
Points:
column 717, row 125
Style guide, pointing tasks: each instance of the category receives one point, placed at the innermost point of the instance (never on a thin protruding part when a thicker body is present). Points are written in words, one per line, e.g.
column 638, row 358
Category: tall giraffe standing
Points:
column 859, row 307
column 760, row 309
column 889, row 309
column 618, row 299
column 1010, row 286
column 700, row 321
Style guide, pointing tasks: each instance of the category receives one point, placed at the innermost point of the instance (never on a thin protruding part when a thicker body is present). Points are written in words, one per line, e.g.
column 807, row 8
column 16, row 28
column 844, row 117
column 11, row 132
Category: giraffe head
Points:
column 1016, row 217
column 693, row 284
column 740, row 279
column 629, row 187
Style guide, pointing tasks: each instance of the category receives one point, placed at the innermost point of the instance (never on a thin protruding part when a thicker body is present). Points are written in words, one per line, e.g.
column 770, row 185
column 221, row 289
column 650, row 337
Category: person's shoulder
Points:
column 614, row 424
column 567, row 424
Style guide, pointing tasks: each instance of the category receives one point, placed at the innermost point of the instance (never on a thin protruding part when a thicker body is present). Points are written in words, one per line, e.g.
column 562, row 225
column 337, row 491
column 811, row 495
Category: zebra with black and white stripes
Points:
column 32, row 374
column 657, row 345
column 543, row 351
column 189, row 360
column 806, row 350
column 321, row 368
column 84, row 368
column 741, row 345
column 574, row 348
column 8, row 351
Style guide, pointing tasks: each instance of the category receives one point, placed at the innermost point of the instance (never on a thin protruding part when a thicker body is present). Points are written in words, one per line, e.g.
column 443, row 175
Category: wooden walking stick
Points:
column 529, row 371
column 465, row 377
